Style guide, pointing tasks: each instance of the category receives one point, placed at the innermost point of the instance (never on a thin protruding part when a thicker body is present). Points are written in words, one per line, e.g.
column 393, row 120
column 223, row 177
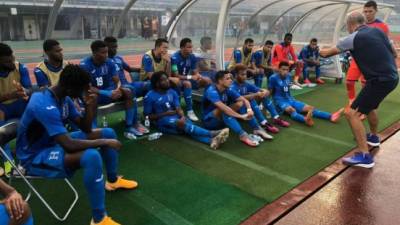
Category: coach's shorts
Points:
column 14, row 109
column 284, row 104
column 372, row 95
column 354, row 73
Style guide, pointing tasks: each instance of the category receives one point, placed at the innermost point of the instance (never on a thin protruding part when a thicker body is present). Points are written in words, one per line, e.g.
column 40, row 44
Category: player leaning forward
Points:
column 372, row 51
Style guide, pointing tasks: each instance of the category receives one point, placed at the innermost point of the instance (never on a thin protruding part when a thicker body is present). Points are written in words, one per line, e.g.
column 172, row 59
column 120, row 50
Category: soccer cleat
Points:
column 373, row 140
column 192, row 116
column 307, row 81
column 359, row 159
column 270, row 128
column 320, row 81
column 121, row 184
column 308, row 119
column 221, row 138
column 105, row 221
column 263, row 134
column 296, row 87
column 336, row 115
column 134, row 131
column 248, row 141
column 280, row 122
column 142, row 128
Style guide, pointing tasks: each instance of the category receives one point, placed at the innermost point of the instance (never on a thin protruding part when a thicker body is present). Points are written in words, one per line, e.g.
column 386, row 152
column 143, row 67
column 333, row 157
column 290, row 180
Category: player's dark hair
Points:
column 160, row 41
column 238, row 68
column 371, row 4
column 248, row 41
column 49, row 44
column 110, row 39
column 283, row 63
column 97, row 45
column 5, row 50
column 220, row 75
column 184, row 42
column 313, row 40
column 287, row 35
column 156, row 77
column 269, row 42
column 74, row 77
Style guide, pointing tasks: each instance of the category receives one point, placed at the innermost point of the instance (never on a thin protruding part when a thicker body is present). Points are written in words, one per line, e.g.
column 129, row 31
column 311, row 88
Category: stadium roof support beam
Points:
column 219, row 42
column 51, row 22
column 284, row 13
column 307, row 14
column 121, row 18
column 176, row 17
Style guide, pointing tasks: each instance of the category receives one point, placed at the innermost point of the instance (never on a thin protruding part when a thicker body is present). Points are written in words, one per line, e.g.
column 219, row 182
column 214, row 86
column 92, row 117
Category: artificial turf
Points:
column 183, row 182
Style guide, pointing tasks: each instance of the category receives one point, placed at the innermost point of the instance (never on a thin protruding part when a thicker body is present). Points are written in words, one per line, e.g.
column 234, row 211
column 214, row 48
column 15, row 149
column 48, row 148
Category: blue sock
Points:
column 187, row 94
column 297, row 117
column 202, row 139
column 258, row 79
column 91, row 163
column 110, row 156
column 129, row 116
column 135, row 111
column 321, row 114
column 253, row 122
column 192, row 129
column 269, row 105
column 257, row 112
column 233, row 124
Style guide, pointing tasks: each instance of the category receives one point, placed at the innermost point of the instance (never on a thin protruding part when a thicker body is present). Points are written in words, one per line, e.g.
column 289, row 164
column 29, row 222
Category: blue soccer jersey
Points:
column 157, row 102
column 258, row 58
column 43, row 119
column 212, row 96
column 280, row 87
column 102, row 76
column 121, row 67
column 183, row 65
column 245, row 88
column 41, row 77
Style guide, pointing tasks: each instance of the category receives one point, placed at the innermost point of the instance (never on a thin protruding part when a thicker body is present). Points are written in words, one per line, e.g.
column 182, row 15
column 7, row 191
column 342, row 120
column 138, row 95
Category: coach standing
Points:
column 372, row 51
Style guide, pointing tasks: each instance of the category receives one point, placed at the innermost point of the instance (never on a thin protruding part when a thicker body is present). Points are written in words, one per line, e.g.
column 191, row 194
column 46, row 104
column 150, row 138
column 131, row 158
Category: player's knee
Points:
column 206, row 80
column 108, row 133
column 180, row 124
column 25, row 216
column 91, row 157
column 350, row 113
column 187, row 84
column 290, row 110
column 127, row 93
column 2, row 115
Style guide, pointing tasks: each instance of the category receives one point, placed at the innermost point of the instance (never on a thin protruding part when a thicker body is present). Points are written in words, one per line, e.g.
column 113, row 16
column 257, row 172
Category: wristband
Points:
column 189, row 77
column 249, row 110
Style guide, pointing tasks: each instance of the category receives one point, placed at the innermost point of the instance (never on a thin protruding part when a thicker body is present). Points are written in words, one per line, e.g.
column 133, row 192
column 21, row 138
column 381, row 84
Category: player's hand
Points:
column 174, row 80
column 20, row 91
column 116, row 94
column 14, row 205
column 250, row 114
column 196, row 77
column 166, row 57
column 90, row 98
column 113, row 143
column 182, row 119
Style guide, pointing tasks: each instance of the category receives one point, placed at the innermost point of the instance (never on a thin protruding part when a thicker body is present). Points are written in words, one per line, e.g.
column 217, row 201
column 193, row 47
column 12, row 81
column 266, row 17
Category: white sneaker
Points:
column 310, row 85
column 130, row 135
column 295, row 87
column 263, row 134
column 192, row 116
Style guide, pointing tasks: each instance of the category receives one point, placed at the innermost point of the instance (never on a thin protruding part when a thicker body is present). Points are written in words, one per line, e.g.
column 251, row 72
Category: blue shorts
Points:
column 210, row 74
column 195, row 84
column 139, row 88
column 104, row 99
column 211, row 122
column 50, row 161
column 5, row 218
column 284, row 104
column 167, row 124
column 14, row 109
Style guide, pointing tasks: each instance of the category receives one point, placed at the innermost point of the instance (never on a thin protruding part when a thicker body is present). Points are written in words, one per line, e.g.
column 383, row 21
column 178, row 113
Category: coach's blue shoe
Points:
column 373, row 140
column 360, row 159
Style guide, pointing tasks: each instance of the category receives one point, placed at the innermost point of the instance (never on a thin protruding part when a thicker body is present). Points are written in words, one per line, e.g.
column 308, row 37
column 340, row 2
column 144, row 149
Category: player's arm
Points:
column 304, row 57
column 78, row 145
column 328, row 52
column 228, row 110
column 90, row 101
column 128, row 68
column 345, row 44
column 293, row 53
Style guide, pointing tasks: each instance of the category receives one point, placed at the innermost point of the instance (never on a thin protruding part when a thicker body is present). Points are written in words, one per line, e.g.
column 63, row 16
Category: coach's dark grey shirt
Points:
column 372, row 51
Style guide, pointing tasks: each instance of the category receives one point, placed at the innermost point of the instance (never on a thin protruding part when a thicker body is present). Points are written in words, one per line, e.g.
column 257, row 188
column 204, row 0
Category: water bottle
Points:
column 147, row 122
column 104, row 121
column 154, row 136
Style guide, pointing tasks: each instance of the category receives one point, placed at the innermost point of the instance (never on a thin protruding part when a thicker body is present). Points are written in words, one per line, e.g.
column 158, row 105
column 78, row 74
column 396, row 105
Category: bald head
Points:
column 354, row 20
